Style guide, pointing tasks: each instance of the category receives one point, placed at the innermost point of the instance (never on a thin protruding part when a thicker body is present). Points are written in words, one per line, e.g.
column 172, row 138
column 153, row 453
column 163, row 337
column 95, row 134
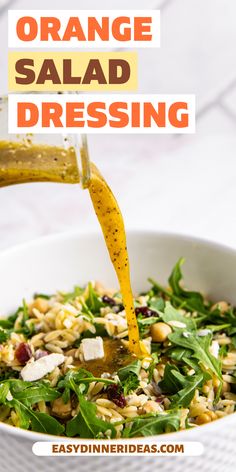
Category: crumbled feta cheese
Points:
column 92, row 348
column 214, row 349
column 35, row 370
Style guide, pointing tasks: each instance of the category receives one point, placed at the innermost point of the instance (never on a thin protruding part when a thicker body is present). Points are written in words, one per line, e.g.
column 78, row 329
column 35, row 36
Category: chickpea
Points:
column 61, row 409
column 222, row 306
column 203, row 418
column 159, row 332
column 41, row 304
column 212, row 415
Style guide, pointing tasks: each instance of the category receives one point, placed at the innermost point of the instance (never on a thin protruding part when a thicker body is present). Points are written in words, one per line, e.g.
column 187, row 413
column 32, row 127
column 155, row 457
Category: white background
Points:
column 184, row 184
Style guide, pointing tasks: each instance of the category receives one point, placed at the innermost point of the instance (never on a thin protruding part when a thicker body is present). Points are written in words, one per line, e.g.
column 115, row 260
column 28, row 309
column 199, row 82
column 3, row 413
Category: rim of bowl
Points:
column 36, row 436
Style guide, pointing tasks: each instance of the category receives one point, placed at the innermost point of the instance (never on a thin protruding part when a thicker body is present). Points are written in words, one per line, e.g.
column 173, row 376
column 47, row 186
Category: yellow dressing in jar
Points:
column 22, row 162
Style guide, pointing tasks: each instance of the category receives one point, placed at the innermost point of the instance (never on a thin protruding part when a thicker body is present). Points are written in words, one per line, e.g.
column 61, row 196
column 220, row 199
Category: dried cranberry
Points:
column 145, row 311
column 160, row 399
column 111, row 302
column 39, row 353
column 115, row 394
column 23, row 353
column 108, row 300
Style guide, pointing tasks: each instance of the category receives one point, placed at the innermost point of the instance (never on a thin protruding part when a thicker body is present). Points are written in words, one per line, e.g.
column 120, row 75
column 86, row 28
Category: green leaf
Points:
column 73, row 380
column 86, row 424
column 23, row 414
column 192, row 300
column 170, row 384
column 4, row 389
column 42, row 295
column 43, row 423
column 3, row 336
column 128, row 376
column 93, row 301
column 184, row 396
column 35, row 394
column 40, row 422
column 171, row 314
column 133, row 368
column 179, row 353
column 157, row 304
column 200, row 347
column 70, row 296
column 25, row 311
column 152, row 425
column 6, row 324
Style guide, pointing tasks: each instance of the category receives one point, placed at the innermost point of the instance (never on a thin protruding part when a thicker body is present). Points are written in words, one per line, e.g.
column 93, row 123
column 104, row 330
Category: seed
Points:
column 145, row 311
column 23, row 353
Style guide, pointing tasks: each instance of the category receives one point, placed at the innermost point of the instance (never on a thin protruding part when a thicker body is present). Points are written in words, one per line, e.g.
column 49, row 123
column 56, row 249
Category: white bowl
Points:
column 61, row 261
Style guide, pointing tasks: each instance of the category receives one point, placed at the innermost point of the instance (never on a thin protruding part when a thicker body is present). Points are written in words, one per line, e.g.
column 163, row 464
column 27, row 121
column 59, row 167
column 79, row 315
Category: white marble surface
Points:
column 179, row 183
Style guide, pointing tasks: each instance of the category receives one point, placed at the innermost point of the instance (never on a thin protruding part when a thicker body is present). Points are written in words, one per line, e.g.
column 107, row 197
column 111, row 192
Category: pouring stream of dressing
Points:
column 112, row 224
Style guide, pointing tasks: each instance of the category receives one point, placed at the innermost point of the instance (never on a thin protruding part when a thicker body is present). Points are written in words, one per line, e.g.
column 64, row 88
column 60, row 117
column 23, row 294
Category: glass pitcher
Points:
column 26, row 157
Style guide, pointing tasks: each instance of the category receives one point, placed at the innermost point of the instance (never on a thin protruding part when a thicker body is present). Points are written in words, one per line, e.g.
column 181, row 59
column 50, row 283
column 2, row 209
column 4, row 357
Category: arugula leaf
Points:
column 170, row 384
column 75, row 380
column 130, row 384
column 67, row 297
column 145, row 323
column 193, row 299
column 86, row 424
column 157, row 304
column 179, row 353
column 3, row 335
column 100, row 331
column 128, row 376
column 36, row 393
column 42, row 295
column 6, row 324
column 200, row 347
column 93, row 302
column 4, row 389
column 184, row 396
column 25, row 311
column 44, row 423
column 171, row 314
column 23, row 414
column 133, row 368
column 151, row 425
column 40, row 422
